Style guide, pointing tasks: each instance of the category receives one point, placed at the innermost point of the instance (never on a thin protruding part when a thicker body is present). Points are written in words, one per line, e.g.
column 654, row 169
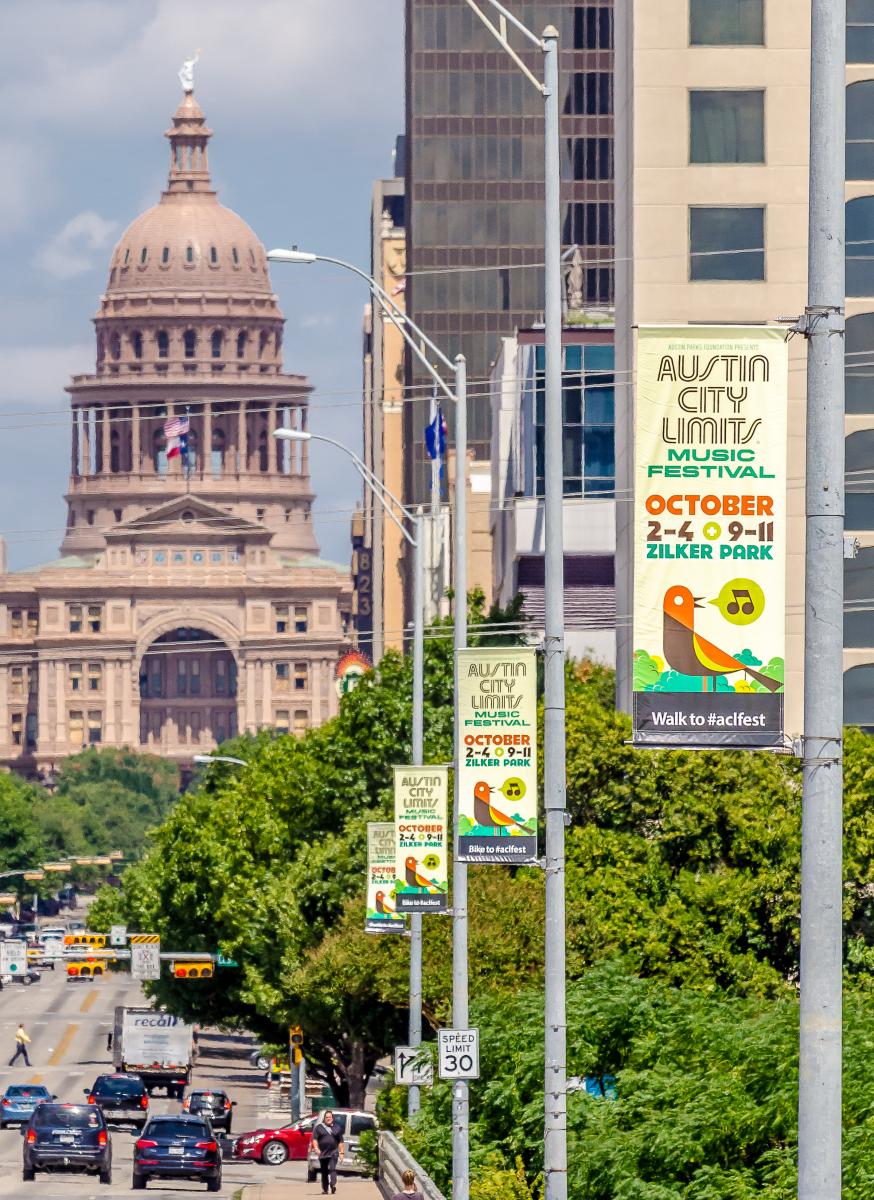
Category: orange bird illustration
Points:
column 689, row 653
column 381, row 906
column 414, row 879
column 485, row 812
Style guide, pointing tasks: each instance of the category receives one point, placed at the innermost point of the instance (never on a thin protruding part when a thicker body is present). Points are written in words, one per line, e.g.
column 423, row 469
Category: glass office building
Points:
column 474, row 186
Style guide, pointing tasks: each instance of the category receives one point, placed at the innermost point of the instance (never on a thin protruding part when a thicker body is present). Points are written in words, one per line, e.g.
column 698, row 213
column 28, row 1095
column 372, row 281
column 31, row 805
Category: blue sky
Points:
column 304, row 97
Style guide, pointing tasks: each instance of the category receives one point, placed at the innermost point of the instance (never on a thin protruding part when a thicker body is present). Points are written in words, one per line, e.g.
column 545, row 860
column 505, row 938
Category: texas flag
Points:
column 176, row 433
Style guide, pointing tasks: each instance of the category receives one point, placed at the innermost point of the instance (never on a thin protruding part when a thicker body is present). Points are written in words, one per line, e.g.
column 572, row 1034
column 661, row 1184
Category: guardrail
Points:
column 394, row 1159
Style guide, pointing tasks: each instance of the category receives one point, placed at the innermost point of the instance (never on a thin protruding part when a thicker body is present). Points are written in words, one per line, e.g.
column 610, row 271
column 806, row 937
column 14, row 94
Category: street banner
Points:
column 421, row 859
column 382, row 916
column 710, row 536
column 496, row 755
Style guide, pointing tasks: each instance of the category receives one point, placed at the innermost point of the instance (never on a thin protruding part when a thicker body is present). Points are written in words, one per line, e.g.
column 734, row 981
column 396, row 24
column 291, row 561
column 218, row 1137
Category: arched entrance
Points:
column 188, row 693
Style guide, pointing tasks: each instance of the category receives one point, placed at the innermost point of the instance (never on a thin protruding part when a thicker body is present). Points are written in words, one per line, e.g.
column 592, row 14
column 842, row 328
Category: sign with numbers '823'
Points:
column 458, row 1053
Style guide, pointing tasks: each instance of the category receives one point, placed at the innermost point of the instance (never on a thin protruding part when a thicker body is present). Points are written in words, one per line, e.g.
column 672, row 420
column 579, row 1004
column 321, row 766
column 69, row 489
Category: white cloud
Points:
column 22, row 184
column 71, row 251
column 35, row 376
column 97, row 59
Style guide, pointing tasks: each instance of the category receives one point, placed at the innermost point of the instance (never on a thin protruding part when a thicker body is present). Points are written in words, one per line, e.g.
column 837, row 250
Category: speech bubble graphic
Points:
column 741, row 601
column 513, row 788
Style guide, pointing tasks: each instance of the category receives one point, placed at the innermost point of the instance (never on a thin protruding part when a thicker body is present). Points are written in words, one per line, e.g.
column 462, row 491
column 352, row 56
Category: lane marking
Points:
column 63, row 1045
column 36, row 1079
column 88, row 1002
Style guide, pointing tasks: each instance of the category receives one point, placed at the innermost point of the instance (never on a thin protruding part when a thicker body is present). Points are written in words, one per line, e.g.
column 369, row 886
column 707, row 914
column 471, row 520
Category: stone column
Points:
column 5, row 732
column 99, row 446
column 274, row 447
column 249, row 688
column 206, row 448
column 267, row 693
column 74, row 445
column 60, row 706
column 241, row 438
column 128, row 686
column 110, row 732
column 136, row 451
column 304, row 446
column 43, row 735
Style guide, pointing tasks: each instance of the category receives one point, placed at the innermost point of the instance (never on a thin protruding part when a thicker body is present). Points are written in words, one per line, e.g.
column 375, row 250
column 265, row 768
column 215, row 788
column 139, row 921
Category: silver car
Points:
column 19, row 1100
column 353, row 1122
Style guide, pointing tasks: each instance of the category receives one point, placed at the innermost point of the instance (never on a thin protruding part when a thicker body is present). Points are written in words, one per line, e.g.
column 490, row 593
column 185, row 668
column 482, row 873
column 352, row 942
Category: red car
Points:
column 274, row 1146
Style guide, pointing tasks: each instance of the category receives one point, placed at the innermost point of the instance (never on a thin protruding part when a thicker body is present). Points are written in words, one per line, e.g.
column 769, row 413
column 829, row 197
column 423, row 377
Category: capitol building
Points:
column 189, row 602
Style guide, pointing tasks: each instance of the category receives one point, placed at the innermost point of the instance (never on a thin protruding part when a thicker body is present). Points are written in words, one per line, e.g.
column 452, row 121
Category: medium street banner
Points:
column 496, row 755
column 421, row 880
column 710, row 536
column 382, row 916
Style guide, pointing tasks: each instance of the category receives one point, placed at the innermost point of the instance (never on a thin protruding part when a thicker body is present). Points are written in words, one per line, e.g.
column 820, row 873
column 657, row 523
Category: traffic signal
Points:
column 192, row 970
column 85, row 939
column 84, row 970
column 295, row 1037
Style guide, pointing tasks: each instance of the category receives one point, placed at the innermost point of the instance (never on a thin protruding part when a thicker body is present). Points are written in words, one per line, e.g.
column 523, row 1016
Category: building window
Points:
column 301, row 620
column 95, row 728
column 194, row 677
column 235, row 256
column 727, row 126
column 76, row 728
column 136, row 341
column 213, row 255
column 241, row 345
column 17, row 722
column 74, row 674
column 301, row 677
column 115, row 453
column 95, row 618
column 280, row 613
column 589, row 158
column 89, row 516
column 860, row 134
column 587, row 425
column 588, row 224
column 593, row 27
column 16, row 622
column 220, row 679
column 156, row 685
column 144, row 255
column 281, row 720
column 95, row 677
column 74, row 618
column 280, row 677
column 860, row 247
column 727, row 243
column 32, row 622
column 163, row 340
column 263, row 342
column 30, row 730
column 165, row 255
column 592, row 93
column 16, row 682
column 726, row 22
column 216, row 343
column 189, row 342
column 181, row 677
column 860, row 33
column 189, row 254
column 301, row 721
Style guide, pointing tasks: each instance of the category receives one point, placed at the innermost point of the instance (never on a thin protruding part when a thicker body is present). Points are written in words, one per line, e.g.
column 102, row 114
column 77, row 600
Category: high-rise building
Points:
column 859, row 574
column 711, row 219
column 190, row 602
column 474, row 188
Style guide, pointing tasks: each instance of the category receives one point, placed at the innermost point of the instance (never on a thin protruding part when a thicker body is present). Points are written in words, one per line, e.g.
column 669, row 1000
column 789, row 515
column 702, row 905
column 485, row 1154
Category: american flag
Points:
column 176, row 432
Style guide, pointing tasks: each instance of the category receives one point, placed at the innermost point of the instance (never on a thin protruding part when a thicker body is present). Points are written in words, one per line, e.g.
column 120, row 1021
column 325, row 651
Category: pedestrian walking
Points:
column 328, row 1137
column 22, row 1041
column 408, row 1179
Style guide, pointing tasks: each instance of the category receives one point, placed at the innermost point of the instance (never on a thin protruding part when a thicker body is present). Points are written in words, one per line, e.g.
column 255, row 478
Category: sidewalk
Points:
column 347, row 1189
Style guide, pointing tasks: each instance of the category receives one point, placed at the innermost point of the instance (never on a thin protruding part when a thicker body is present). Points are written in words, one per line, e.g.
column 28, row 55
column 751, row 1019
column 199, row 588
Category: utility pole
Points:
column 555, row 1028
column 418, row 756
column 460, row 1015
column 819, row 1088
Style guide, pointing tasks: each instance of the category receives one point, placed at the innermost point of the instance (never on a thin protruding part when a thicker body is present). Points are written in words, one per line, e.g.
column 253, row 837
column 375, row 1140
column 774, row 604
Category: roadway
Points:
column 68, row 1024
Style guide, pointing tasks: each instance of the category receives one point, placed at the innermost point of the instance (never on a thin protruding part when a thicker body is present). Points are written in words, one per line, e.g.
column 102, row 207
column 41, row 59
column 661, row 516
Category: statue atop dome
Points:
column 186, row 72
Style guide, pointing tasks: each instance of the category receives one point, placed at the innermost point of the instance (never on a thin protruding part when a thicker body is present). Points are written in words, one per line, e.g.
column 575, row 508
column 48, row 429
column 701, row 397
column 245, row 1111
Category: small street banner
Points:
column 421, row 858
column 710, row 537
column 496, row 755
column 382, row 915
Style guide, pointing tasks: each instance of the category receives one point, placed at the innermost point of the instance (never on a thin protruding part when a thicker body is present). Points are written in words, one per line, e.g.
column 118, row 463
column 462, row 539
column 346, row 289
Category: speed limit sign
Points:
column 458, row 1053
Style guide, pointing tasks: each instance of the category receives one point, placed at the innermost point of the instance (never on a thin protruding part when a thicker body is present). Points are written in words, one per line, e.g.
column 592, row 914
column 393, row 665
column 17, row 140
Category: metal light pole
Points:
column 393, row 506
column 819, row 1089
column 415, row 338
column 555, row 1018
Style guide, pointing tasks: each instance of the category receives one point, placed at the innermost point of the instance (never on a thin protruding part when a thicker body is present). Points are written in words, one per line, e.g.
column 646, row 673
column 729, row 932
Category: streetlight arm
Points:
column 367, row 475
column 501, row 38
column 399, row 323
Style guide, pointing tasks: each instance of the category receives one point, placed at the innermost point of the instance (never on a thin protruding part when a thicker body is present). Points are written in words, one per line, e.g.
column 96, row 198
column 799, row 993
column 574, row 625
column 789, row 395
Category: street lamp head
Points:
column 292, row 435
column 291, row 256
column 218, row 758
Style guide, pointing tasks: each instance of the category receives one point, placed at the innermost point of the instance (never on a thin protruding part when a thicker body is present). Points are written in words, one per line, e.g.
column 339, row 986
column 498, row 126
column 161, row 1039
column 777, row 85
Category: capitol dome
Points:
column 188, row 259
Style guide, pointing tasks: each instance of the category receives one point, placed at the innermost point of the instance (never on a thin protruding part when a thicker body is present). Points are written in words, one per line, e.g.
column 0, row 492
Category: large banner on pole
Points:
column 382, row 914
column 421, row 857
column 710, row 536
column 496, row 755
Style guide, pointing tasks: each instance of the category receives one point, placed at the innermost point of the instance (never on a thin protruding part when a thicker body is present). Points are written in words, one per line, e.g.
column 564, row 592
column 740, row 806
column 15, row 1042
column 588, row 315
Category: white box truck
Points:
column 154, row 1045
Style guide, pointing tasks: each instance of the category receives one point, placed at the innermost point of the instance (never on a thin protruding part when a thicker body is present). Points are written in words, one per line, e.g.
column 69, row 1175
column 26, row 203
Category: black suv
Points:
column 216, row 1106
column 66, row 1137
column 122, row 1098
column 177, row 1148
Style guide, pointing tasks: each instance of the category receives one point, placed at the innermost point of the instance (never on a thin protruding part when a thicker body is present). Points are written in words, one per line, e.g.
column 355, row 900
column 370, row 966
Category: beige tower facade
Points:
column 711, row 216
column 189, row 602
